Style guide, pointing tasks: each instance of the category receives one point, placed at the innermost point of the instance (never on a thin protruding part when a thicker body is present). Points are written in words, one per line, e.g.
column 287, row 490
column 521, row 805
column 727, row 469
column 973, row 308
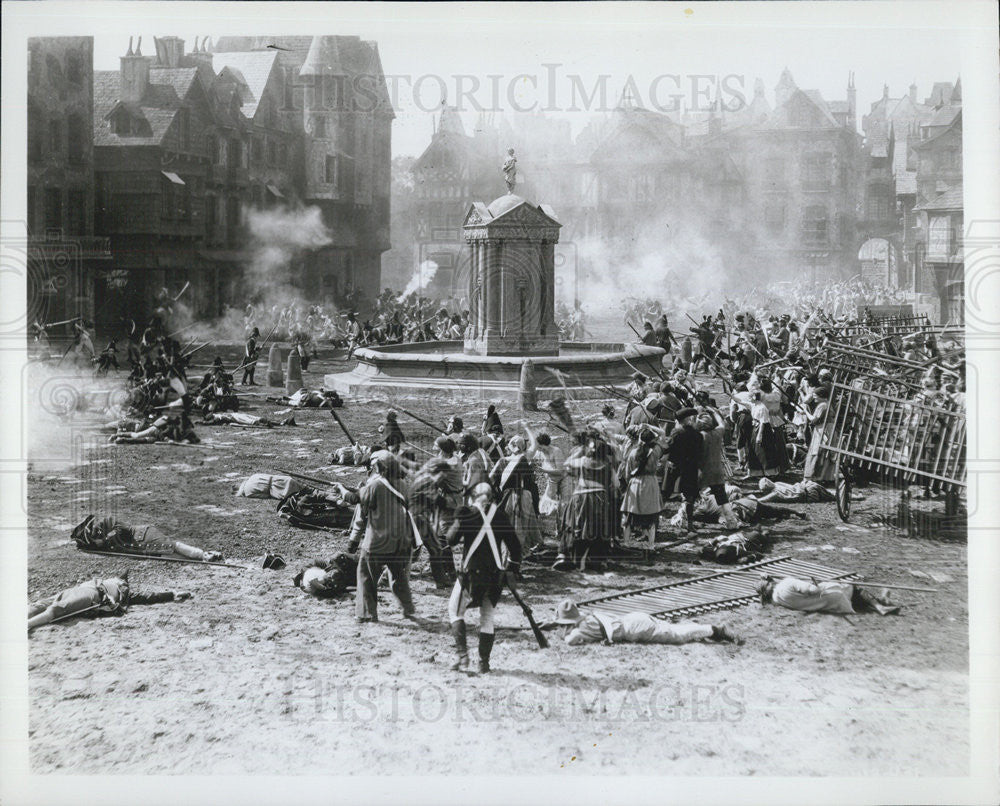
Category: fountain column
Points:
column 512, row 243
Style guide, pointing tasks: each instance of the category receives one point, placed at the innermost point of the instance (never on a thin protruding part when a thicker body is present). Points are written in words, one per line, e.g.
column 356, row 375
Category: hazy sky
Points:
column 505, row 48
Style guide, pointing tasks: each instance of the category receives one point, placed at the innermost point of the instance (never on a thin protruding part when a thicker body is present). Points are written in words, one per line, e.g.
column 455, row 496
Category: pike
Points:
column 186, row 327
column 63, row 322
column 651, row 366
column 864, row 584
column 418, row 419
column 67, row 615
column 247, row 359
column 196, row 349
column 343, row 427
column 312, row 479
column 422, row 450
column 181, row 292
column 639, row 370
column 543, row 642
column 161, row 559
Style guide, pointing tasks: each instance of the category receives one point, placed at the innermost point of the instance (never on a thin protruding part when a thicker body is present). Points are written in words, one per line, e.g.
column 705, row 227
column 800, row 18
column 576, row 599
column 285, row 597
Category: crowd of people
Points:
column 665, row 454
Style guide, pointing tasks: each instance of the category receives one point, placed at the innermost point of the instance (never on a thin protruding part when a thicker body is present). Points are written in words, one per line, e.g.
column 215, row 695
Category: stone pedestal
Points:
column 293, row 374
column 512, row 278
column 274, row 373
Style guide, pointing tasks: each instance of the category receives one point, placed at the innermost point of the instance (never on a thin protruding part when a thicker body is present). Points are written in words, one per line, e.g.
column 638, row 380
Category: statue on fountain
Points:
column 510, row 170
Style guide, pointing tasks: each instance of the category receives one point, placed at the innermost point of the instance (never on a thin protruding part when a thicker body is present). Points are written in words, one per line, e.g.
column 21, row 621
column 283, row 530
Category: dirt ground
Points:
column 253, row 676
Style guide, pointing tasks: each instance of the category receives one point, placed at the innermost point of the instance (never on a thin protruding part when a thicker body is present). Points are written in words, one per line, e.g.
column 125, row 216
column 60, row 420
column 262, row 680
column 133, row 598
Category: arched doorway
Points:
column 877, row 257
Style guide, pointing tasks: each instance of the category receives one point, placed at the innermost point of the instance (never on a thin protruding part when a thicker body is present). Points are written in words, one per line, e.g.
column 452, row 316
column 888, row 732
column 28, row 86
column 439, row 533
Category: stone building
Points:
column 926, row 143
column 801, row 169
column 67, row 264
column 774, row 191
column 939, row 257
column 187, row 143
column 335, row 102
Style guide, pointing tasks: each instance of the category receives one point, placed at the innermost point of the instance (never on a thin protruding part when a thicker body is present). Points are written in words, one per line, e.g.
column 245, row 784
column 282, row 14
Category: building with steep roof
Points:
column 941, row 264
column 186, row 143
column 67, row 263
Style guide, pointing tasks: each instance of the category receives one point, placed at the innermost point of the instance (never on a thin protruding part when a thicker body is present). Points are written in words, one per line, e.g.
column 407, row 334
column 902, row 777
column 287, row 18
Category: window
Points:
column 774, row 217
column 55, row 136
column 272, row 153
column 32, row 208
column 54, row 69
column 939, row 239
column 878, row 205
column 235, row 154
column 74, row 69
column 283, row 155
column 184, row 129
column 257, row 150
column 53, row 208
column 36, row 134
column 815, row 224
column 210, row 219
column 319, row 127
column 167, row 200
column 333, row 92
column 76, row 212
column 232, row 221
column 212, row 147
column 185, row 204
column 77, row 139
column 331, row 170
column 816, row 171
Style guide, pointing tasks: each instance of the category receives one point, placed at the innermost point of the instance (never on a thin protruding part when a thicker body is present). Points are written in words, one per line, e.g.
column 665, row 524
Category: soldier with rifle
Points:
column 250, row 354
column 486, row 550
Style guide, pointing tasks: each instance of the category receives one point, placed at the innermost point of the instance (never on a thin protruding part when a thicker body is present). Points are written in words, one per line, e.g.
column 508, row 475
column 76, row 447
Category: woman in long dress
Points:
column 768, row 455
column 641, row 503
column 818, row 465
column 548, row 459
column 591, row 515
column 514, row 481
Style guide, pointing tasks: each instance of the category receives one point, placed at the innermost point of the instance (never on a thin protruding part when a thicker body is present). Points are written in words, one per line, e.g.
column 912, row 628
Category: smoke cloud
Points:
column 422, row 277
column 279, row 238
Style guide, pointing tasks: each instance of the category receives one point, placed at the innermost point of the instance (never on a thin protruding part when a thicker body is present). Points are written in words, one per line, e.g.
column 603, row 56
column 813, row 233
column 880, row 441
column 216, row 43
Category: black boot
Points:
column 863, row 600
column 458, row 632
column 485, row 648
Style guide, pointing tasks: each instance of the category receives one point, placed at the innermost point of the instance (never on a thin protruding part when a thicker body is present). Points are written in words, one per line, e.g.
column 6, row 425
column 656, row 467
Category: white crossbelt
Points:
column 413, row 522
column 485, row 533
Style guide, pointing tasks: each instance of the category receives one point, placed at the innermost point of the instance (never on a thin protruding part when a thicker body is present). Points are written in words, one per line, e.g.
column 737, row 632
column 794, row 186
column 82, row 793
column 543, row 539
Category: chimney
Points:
column 169, row 51
column 913, row 94
column 200, row 55
column 852, row 103
column 134, row 73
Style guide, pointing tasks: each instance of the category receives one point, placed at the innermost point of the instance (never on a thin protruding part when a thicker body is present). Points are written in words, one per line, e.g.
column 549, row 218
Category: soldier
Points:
column 383, row 533
column 684, row 452
column 485, row 535
column 355, row 333
column 250, row 353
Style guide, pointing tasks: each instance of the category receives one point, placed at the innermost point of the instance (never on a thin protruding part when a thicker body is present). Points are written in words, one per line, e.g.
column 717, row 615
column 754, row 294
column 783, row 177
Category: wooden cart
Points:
column 876, row 437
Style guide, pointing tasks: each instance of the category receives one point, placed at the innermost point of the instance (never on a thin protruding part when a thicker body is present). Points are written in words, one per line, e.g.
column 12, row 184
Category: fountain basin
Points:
column 442, row 371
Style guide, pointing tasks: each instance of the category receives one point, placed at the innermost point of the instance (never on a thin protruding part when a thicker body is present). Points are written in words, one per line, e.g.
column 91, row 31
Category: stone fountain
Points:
column 511, row 296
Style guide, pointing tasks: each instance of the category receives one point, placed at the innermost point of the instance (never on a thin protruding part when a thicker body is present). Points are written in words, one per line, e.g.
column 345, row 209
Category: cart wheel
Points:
column 843, row 493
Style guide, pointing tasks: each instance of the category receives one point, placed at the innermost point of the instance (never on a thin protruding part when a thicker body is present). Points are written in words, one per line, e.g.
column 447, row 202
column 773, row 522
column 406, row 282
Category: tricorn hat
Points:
column 567, row 612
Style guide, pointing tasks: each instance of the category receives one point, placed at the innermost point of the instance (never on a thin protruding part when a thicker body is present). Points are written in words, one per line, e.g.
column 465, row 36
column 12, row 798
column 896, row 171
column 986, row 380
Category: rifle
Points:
column 247, row 360
column 419, row 419
column 310, row 479
column 662, row 378
column 343, row 427
column 543, row 642
column 135, row 556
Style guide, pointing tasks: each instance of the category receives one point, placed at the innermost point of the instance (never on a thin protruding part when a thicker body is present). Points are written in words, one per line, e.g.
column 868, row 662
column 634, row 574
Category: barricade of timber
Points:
column 722, row 591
